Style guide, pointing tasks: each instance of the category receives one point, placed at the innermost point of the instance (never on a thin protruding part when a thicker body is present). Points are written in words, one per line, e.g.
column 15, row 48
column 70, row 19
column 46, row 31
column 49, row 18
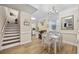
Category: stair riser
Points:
column 6, row 42
column 10, row 39
column 12, row 32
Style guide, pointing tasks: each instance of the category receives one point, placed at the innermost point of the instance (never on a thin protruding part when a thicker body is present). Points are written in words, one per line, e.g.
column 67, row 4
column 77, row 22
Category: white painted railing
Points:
column 2, row 32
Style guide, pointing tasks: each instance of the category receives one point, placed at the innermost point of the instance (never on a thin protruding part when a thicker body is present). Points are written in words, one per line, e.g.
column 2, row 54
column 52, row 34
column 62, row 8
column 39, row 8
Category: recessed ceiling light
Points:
column 32, row 18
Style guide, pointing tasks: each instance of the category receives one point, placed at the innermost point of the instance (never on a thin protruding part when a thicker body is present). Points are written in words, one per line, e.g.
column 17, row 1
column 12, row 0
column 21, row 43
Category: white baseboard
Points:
column 13, row 45
column 71, row 43
column 26, row 42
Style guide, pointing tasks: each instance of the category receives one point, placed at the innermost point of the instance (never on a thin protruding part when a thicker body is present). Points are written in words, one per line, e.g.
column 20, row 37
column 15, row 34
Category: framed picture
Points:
column 26, row 23
column 67, row 23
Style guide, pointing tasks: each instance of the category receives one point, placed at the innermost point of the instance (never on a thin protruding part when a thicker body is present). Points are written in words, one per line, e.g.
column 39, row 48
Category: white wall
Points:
column 78, row 31
column 25, row 31
column 68, row 12
column 11, row 19
column 2, row 17
column 70, row 36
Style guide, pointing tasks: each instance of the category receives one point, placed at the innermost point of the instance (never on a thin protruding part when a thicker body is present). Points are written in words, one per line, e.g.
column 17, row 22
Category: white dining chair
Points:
column 46, row 41
column 56, row 40
column 52, row 39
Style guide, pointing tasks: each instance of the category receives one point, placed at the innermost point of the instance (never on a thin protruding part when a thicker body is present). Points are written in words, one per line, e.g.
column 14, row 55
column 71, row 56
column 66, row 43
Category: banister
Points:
column 2, row 30
column 3, row 26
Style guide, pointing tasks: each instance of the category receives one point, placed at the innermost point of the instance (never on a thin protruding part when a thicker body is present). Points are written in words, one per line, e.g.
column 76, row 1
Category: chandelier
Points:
column 52, row 11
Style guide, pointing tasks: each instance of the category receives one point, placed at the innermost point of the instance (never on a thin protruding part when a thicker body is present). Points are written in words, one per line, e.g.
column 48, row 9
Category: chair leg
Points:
column 44, row 46
column 59, row 47
column 55, row 48
column 49, row 48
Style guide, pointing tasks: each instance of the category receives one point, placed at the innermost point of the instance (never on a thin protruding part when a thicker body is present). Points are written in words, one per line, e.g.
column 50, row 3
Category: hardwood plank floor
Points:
column 36, row 47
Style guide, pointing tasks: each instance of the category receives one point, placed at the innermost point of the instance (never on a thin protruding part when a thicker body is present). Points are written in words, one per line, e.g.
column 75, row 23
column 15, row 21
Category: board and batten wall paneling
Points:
column 25, row 30
column 78, row 32
column 69, row 36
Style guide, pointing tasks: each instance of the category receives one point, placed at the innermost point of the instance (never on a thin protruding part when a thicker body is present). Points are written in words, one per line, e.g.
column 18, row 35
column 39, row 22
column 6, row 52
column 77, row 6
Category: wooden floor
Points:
column 36, row 47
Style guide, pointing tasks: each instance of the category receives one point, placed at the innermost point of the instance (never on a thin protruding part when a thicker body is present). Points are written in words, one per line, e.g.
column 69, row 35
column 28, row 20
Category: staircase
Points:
column 11, row 36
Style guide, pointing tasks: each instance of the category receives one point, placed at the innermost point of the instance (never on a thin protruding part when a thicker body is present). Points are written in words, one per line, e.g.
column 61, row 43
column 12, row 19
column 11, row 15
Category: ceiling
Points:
column 39, row 11
column 43, row 9
column 21, row 7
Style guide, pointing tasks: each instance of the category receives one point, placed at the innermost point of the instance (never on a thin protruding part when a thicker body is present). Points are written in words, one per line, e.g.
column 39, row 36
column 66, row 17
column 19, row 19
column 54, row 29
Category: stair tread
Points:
column 13, row 24
column 11, row 43
column 11, row 37
column 11, row 31
column 11, row 27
